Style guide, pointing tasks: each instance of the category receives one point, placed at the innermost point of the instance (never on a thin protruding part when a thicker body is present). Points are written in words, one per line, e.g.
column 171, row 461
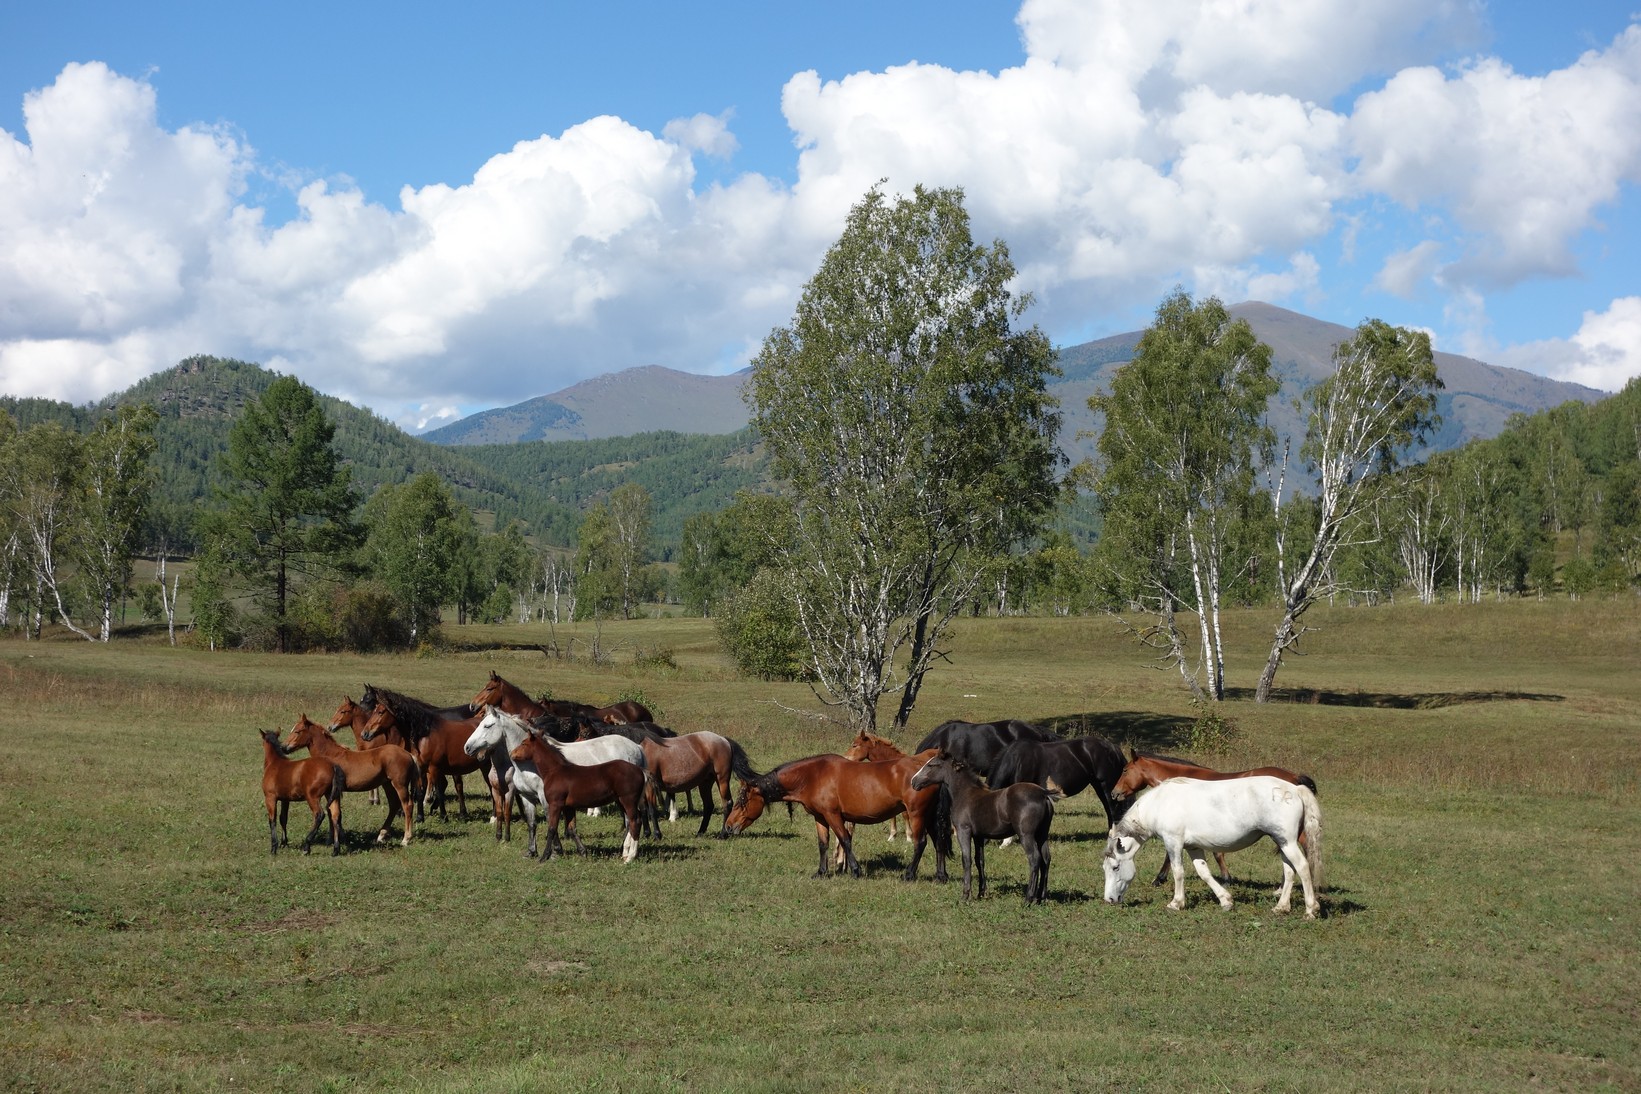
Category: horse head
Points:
column 749, row 806
column 302, row 735
column 1117, row 863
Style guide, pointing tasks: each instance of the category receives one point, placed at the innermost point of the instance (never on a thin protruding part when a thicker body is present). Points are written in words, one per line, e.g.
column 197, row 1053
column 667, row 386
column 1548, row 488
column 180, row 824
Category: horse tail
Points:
column 418, row 780
column 1313, row 835
column 1055, row 790
column 1307, row 782
column 338, row 782
column 941, row 830
column 739, row 763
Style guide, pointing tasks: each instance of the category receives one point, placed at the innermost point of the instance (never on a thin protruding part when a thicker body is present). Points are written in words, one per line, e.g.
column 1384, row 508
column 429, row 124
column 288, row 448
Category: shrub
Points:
column 758, row 627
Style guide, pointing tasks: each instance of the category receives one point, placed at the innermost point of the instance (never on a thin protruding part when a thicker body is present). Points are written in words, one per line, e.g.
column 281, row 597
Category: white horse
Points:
column 1196, row 816
column 499, row 732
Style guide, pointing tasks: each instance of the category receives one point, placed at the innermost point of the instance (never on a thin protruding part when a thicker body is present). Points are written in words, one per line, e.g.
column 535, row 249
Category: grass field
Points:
column 1478, row 767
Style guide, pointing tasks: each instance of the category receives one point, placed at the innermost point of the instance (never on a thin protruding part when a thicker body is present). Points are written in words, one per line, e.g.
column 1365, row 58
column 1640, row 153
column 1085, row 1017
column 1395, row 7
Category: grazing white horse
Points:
column 499, row 732
column 1196, row 816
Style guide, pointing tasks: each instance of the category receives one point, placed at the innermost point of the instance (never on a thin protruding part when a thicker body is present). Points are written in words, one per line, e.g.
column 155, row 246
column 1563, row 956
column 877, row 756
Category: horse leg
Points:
column 1224, row 871
column 1038, row 852
column 846, row 840
column 838, row 860
column 1200, row 861
column 823, row 836
column 317, row 804
column 629, row 845
column 1176, row 864
column 1294, row 861
column 672, row 807
column 461, row 798
column 273, row 826
column 575, row 832
column 980, row 864
column 965, row 841
column 707, row 808
column 550, row 844
column 917, row 837
column 284, row 818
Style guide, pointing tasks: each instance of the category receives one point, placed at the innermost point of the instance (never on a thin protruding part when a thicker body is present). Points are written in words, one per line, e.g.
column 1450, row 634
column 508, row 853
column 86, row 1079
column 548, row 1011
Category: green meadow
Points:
column 1478, row 770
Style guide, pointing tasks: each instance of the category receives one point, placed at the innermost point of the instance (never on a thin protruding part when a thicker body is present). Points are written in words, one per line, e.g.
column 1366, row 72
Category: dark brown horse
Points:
column 1148, row 769
column 385, row 764
column 567, row 787
column 838, row 793
column 435, row 736
column 317, row 782
column 1022, row 810
column 686, row 761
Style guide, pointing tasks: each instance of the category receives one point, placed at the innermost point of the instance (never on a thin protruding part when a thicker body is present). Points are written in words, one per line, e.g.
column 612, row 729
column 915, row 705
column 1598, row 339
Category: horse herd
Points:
column 981, row 780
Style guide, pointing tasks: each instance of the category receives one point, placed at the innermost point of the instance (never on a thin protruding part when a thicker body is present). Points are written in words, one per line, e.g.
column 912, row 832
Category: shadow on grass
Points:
column 1391, row 701
column 1139, row 728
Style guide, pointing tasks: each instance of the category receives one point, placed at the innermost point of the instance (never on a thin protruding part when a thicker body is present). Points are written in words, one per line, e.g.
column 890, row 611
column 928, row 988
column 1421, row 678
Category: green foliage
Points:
column 416, row 537
column 287, row 508
column 722, row 551
column 758, row 627
column 911, row 425
column 1212, row 733
column 1184, row 431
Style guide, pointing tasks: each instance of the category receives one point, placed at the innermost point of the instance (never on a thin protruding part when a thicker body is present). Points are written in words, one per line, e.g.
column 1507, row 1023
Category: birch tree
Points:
column 1361, row 422
column 909, row 422
column 1184, row 428
column 116, row 483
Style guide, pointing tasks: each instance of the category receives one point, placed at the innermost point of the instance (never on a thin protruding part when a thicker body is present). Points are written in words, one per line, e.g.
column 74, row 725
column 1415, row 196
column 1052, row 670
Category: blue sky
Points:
column 430, row 212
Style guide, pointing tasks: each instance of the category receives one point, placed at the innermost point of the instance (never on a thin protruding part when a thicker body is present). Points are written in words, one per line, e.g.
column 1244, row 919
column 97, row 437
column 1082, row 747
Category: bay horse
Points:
column 385, row 764
column 838, row 793
column 1075, row 764
column 1024, row 810
column 687, row 761
column 1193, row 816
column 317, row 782
column 978, row 744
column 499, row 733
column 566, row 787
column 1149, row 768
column 435, row 736
column 869, row 746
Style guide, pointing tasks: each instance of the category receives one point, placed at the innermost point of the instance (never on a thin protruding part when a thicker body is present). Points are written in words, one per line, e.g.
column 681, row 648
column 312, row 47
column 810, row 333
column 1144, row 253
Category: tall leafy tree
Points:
column 597, row 579
column 116, row 484
column 631, row 517
column 417, row 532
column 42, row 493
column 1363, row 420
column 910, row 423
column 1184, row 428
column 288, row 504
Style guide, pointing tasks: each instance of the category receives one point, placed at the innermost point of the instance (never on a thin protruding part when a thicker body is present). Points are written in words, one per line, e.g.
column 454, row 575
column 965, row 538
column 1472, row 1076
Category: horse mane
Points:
column 1163, row 757
column 416, row 718
column 768, row 784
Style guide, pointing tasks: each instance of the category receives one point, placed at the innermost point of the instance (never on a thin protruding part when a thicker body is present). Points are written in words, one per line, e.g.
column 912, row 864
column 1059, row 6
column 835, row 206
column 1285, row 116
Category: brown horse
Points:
column 317, row 782
column 684, row 762
column 839, row 792
column 384, row 764
column 353, row 716
column 869, row 746
column 1020, row 809
column 498, row 692
column 567, row 787
column 435, row 736
column 1148, row 769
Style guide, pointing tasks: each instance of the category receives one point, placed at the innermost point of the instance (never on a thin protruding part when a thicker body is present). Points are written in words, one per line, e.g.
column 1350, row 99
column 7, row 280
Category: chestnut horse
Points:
column 384, row 764
column 566, row 787
column 839, row 792
column 498, row 692
column 1021, row 809
column 1148, row 769
column 353, row 716
column 317, row 782
column 435, row 736
column 687, row 761
column 869, row 746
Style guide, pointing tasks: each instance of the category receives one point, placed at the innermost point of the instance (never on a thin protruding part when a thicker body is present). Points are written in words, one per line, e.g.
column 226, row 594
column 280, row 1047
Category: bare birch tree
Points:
column 1378, row 404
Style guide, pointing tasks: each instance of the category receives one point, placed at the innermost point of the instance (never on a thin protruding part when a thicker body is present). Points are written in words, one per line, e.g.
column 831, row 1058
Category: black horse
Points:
column 977, row 745
column 979, row 814
column 1074, row 766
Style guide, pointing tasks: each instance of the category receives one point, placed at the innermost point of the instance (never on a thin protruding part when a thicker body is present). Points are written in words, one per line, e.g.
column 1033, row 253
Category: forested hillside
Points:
column 544, row 486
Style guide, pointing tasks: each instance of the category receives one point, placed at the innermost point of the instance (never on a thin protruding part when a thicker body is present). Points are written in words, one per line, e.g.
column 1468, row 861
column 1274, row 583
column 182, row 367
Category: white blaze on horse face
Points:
column 918, row 774
column 1118, row 865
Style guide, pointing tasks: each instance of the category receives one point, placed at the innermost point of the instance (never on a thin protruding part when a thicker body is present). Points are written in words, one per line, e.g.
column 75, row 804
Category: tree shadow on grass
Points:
column 1146, row 729
column 1392, row 701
